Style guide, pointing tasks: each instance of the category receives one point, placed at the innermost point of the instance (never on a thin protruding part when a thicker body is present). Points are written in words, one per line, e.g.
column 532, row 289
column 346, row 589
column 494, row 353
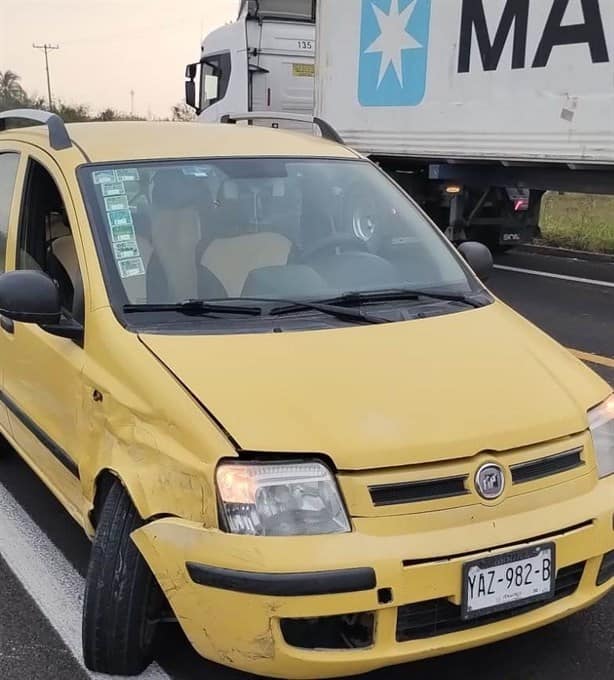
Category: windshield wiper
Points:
column 392, row 294
column 283, row 306
column 197, row 308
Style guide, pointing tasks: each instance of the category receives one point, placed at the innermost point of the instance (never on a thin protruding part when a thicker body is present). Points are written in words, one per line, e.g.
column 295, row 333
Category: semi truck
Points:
column 476, row 107
column 263, row 61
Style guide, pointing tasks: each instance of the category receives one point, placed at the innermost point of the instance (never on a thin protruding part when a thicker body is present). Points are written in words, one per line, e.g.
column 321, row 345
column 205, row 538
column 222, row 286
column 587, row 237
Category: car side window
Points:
column 9, row 163
column 46, row 240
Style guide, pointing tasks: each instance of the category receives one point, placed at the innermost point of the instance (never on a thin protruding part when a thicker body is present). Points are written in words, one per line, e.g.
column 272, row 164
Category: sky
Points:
column 108, row 48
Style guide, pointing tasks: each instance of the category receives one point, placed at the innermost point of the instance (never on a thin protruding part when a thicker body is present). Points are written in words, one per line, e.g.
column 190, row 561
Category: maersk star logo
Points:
column 393, row 52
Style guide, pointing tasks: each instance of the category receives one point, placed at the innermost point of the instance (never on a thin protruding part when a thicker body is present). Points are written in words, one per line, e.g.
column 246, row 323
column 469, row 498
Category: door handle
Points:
column 7, row 325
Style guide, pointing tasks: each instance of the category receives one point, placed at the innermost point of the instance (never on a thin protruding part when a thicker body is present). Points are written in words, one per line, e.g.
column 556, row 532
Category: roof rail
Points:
column 326, row 130
column 58, row 135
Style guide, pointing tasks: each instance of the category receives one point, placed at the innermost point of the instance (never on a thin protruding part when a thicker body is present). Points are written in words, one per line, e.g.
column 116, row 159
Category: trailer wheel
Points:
column 122, row 597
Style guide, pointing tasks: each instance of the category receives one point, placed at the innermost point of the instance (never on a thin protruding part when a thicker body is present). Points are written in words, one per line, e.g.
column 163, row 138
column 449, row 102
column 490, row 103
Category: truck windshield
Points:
column 259, row 228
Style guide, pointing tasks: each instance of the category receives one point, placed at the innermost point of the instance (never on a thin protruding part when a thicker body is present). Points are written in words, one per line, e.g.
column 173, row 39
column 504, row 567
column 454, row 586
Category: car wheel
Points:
column 122, row 600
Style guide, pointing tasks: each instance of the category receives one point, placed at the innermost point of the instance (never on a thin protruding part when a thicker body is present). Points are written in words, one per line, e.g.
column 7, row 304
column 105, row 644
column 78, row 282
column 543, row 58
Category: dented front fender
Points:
column 140, row 424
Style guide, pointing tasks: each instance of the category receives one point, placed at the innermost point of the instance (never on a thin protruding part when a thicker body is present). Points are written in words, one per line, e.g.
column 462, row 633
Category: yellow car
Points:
column 284, row 408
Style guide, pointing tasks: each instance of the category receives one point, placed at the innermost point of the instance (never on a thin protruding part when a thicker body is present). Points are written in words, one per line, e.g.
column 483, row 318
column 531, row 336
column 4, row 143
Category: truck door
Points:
column 282, row 67
column 283, row 83
column 260, row 89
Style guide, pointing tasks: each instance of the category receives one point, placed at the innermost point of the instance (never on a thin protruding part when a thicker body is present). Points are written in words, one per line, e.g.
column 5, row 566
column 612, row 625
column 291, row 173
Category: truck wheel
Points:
column 122, row 597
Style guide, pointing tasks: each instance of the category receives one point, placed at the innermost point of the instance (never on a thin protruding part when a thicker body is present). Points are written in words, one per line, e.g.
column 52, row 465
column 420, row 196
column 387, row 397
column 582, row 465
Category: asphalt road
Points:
column 43, row 554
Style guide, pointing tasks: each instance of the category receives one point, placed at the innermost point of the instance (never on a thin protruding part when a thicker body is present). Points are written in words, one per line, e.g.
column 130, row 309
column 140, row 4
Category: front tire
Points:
column 122, row 598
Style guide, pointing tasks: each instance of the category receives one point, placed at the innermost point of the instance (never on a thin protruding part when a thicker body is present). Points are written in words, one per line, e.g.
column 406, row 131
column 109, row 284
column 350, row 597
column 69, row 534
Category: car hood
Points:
column 420, row 391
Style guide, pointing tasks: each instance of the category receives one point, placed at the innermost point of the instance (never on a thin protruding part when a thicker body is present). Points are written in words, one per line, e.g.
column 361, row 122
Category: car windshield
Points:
column 263, row 228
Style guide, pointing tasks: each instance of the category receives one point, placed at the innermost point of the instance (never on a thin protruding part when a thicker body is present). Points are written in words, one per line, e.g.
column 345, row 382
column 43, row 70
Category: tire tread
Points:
column 117, row 592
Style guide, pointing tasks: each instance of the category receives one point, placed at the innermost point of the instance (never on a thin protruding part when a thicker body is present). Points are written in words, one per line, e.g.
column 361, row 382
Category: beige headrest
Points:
column 57, row 227
column 233, row 259
column 64, row 250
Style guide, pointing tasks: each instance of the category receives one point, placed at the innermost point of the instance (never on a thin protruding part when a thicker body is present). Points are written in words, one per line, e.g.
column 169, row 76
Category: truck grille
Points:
column 440, row 617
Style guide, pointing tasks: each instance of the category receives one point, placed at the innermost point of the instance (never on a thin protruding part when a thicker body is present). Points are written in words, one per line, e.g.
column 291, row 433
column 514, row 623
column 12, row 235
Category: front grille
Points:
column 546, row 467
column 440, row 617
column 450, row 487
column 606, row 572
column 414, row 492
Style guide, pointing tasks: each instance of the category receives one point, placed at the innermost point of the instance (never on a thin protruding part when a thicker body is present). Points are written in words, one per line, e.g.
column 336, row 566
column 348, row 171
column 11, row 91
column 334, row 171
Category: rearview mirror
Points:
column 478, row 257
column 29, row 296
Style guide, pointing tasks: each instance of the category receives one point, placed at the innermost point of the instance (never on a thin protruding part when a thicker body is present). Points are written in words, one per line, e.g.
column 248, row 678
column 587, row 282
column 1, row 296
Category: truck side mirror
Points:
column 190, row 94
column 190, row 86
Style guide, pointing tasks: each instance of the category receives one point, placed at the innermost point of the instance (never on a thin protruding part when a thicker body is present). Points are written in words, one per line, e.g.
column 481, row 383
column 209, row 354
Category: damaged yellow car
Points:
column 283, row 406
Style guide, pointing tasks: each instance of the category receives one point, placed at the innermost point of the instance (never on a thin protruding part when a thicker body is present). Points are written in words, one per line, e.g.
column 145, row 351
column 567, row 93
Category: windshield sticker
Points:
column 116, row 203
column 120, row 218
column 126, row 249
column 123, row 233
column 104, row 177
column 132, row 267
column 127, row 175
column 115, row 189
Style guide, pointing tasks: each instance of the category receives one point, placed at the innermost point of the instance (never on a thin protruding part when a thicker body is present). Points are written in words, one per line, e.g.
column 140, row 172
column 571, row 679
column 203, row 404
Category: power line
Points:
column 46, row 48
column 130, row 33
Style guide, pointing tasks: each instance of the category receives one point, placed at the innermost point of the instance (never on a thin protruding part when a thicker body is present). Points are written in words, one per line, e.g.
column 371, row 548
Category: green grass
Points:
column 579, row 221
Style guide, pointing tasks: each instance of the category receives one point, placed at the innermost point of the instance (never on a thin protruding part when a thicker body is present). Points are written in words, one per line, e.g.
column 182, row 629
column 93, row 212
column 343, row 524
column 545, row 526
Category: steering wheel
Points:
column 343, row 241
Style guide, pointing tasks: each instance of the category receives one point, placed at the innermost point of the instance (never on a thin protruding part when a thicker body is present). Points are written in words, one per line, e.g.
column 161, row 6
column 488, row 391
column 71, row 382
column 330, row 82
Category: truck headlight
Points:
column 280, row 499
column 601, row 420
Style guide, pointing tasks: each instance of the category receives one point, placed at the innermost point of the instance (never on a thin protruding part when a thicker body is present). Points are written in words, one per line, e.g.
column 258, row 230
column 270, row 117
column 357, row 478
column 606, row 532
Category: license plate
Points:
column 507, row 581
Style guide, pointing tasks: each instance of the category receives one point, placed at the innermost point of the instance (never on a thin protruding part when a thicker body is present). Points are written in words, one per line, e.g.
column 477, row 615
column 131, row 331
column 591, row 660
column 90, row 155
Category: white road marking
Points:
column 550, row 275
column 56, row 587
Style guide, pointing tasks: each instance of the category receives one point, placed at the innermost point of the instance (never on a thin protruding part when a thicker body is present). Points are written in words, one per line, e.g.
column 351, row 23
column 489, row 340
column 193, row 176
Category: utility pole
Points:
column 132, row 103
column 46, row 48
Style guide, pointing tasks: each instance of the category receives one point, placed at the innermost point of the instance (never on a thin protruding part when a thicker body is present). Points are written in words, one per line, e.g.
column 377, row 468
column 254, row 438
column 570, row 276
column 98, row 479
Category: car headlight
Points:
column 280, row 499
column 601, row 420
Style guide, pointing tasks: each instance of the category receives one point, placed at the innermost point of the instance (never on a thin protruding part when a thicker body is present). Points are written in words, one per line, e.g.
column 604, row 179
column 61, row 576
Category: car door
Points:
column 42, row 372
column 9, row 166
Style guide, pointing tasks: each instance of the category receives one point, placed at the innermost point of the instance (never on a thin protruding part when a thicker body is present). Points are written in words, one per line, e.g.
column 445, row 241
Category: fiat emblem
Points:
column 490, row 481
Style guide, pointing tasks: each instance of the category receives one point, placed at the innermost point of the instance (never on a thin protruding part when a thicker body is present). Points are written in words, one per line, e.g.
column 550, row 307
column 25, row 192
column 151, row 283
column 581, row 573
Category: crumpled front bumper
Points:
column 230, row 593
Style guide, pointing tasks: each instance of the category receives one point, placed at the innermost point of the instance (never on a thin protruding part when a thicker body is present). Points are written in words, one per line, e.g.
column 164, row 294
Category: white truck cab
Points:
column 264, row 61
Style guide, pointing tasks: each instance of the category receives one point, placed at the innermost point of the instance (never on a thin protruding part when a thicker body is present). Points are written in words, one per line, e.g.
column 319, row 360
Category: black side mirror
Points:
column 29, row 296
column 190, row 94
column 190, row 86
column 478, row 257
